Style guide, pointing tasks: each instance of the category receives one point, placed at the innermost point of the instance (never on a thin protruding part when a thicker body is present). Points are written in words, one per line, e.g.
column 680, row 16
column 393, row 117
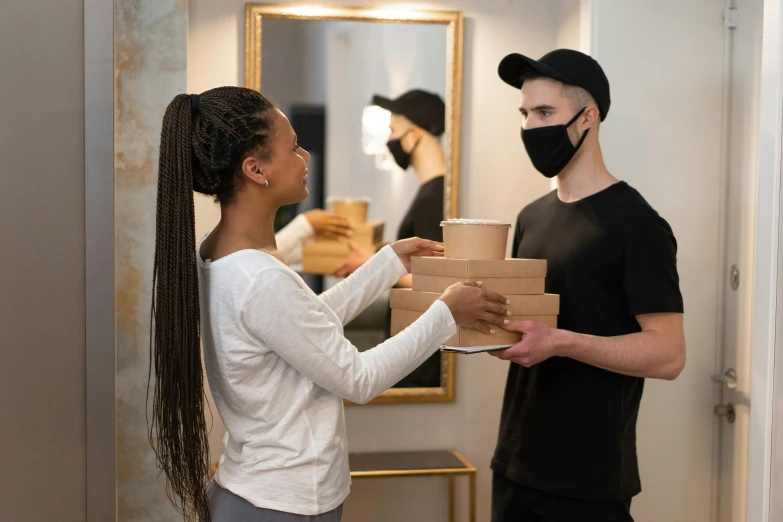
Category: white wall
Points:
column 497, row 180
column 569, row 14
column 42, row 313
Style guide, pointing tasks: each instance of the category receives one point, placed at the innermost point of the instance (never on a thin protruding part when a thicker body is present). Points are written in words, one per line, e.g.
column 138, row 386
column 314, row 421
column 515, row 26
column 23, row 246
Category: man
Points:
column 567, row 444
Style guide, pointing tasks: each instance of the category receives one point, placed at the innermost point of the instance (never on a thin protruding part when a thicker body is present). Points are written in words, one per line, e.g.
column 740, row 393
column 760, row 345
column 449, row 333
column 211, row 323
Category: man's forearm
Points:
column 649, row 354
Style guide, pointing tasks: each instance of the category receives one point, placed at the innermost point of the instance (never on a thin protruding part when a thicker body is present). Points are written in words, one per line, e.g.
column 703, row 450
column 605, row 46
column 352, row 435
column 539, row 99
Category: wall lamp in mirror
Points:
column 375, row 135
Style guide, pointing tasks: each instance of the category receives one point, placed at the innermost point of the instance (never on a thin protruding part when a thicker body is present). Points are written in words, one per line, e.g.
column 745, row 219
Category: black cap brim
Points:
column 514, row 67
column 385, row 103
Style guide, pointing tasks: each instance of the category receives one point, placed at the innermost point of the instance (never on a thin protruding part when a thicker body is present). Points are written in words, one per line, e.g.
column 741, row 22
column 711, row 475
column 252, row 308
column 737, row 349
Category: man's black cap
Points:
column 424, row 109
column 564, row 65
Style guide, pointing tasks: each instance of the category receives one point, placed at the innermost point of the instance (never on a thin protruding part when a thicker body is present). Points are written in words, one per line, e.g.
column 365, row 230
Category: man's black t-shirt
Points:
column 566, row 427
column 425, row 213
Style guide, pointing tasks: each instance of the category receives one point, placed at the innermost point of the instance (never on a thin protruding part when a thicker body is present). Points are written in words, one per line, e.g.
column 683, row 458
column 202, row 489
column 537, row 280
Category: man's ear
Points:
column 415, row 134
column 253, row 170
column 591, row 117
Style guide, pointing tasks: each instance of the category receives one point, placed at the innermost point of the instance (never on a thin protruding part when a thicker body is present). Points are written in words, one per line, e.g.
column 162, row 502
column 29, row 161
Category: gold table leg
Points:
column 473, row 497
column 452, row 496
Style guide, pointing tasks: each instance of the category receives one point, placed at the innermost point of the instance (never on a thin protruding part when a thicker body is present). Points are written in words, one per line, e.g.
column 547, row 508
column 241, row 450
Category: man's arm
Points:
column 657, row 352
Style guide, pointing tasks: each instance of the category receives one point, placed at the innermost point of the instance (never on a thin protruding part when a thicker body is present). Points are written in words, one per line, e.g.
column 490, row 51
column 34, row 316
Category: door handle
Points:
column 729, row 378
column 727, row 411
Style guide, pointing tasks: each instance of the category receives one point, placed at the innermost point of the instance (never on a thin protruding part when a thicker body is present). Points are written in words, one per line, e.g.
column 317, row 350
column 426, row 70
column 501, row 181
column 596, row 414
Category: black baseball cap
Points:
column 424, row 109
column 564, row 65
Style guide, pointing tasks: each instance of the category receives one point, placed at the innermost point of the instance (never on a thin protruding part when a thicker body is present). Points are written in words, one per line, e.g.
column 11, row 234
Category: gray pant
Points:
column 225, row 506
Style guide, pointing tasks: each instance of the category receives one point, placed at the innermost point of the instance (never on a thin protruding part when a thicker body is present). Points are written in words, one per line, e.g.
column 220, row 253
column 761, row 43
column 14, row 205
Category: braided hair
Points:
column 204, row 140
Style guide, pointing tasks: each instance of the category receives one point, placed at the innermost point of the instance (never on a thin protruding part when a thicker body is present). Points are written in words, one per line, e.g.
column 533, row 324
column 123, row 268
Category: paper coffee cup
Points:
column 353, row 209
column 475, row 238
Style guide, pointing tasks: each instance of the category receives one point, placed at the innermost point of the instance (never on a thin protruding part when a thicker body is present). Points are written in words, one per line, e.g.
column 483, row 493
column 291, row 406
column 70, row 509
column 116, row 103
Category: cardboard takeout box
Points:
column 521, row 305
column 401, row 319
column 504, row 276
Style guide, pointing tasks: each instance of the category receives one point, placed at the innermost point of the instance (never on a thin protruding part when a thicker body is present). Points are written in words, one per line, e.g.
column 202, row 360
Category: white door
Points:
column 667, row 62
column 734, row 393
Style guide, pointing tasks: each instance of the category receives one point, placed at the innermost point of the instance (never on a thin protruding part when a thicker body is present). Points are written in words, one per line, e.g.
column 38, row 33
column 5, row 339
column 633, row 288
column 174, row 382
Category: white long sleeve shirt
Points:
column 291, row 237
column 279, row 367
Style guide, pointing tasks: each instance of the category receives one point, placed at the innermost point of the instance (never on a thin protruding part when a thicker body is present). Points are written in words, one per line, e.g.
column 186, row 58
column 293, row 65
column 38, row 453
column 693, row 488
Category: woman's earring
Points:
column 266, row 184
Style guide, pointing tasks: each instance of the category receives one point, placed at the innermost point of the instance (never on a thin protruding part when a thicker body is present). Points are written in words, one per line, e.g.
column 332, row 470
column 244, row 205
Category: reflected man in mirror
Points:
column 417, row 123
column 418, row 120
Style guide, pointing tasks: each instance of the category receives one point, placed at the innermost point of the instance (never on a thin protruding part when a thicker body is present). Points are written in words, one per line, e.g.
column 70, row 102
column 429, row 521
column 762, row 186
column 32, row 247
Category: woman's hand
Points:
column 415, row 246
column 474, row 307
column 329, row 225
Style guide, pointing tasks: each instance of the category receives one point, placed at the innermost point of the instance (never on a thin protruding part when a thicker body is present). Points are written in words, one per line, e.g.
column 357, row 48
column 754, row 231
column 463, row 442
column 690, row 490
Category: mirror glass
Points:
column 367, row 100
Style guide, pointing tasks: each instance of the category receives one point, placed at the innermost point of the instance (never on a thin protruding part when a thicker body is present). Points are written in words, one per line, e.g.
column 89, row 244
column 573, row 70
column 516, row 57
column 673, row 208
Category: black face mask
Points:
column 549, row 148
column 402, row 158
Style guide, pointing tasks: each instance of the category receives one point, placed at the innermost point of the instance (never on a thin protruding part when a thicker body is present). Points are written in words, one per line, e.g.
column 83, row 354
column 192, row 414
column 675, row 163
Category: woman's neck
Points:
column 243, row 225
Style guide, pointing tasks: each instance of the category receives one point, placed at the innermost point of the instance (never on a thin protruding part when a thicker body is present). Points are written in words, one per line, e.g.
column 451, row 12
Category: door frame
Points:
column 766, row 290
column 101, row 479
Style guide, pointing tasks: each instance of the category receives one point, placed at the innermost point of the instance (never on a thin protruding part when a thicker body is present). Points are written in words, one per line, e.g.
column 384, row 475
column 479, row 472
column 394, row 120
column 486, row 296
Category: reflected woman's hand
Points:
column 328, row 224
column 358, row 256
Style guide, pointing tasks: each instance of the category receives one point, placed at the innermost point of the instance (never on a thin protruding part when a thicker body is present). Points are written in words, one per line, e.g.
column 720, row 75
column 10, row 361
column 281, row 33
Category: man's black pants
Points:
column 512, row 502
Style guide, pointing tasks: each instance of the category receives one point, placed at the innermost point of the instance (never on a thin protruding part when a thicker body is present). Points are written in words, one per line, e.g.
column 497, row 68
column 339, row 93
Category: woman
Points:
column 277, row 363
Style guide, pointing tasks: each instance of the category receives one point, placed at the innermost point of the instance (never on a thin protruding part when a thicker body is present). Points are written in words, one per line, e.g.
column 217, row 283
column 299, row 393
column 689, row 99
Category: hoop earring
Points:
column 266, row 184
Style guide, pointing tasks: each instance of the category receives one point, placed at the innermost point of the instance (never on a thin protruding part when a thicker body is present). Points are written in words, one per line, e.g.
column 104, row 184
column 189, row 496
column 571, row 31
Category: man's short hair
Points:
column 577, row 97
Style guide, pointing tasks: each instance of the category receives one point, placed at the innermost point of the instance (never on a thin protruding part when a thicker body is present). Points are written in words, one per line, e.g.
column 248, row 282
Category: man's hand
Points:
column 539, row 343
column 415, row 246
column 358, row 256
column 329, row 225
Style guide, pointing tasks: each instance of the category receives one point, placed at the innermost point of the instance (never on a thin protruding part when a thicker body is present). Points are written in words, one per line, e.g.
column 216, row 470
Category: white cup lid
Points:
column 333, row 199
column 475, row 222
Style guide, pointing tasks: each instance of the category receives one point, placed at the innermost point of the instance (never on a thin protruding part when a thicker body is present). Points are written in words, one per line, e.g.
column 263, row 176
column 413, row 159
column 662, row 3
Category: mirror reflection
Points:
column 366, row 99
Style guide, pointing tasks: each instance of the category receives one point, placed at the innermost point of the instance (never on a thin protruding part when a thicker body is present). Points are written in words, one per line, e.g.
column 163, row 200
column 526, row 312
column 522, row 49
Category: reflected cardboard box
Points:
column 504, row 276
column 324, row 257
column 366, row 234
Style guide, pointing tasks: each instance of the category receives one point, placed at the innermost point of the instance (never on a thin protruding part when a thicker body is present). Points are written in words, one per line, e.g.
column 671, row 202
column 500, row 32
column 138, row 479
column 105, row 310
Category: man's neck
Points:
column 428, row 161
column 584, row 176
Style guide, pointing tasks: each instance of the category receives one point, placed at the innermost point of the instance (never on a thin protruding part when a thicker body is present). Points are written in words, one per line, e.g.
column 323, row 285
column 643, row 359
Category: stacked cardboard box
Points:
column 324, row 256
column 520, row 280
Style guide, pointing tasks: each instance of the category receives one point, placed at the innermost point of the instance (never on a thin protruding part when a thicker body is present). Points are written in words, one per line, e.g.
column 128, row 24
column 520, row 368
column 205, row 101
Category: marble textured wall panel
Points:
column 150, row 69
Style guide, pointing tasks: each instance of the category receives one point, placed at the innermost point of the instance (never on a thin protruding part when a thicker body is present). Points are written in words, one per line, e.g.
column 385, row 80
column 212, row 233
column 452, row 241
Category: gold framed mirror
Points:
column 339, row 74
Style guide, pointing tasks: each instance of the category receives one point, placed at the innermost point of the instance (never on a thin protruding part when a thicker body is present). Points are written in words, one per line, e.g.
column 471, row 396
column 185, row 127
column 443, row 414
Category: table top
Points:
column 407, row 463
